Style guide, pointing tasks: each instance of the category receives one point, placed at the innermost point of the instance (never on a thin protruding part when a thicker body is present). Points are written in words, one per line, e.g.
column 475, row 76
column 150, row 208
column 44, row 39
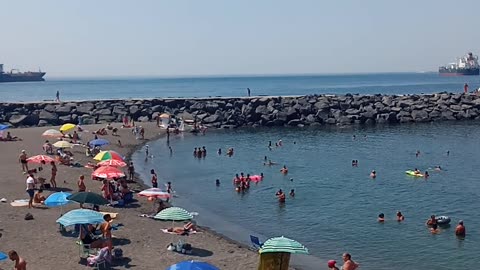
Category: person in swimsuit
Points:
column 106, row 229
column 217, row 182
column 284, row 170
column 434, row 229
column 81, row 184
column 460, row 229
column 400, row 217
column 373, row 174
column 154, row 178
column 39, row 198
column 20, row 263
column 131, row 171
column 426, row 175
column 292, row 193
column 54, row 174
column 381, row 218
column 30, row 189
column 87, row 237
column 23, row 160
column 431, row 221
column 348, row 264
column 281, row 196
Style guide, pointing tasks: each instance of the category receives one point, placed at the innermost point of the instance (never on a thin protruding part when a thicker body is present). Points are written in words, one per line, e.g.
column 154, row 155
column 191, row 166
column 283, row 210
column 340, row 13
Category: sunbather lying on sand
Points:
column 189, row 227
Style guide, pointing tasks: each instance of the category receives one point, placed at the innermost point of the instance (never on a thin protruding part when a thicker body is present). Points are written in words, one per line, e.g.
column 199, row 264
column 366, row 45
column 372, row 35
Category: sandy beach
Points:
column 144, row 246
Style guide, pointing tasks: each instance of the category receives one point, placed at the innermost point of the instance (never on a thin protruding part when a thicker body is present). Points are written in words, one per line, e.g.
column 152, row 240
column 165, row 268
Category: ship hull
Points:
column 459, row 71
column 22, row 77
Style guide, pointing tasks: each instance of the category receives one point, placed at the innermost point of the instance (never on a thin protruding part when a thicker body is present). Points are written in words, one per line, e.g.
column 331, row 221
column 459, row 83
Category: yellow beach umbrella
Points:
column 67, row 127
column 63, row 144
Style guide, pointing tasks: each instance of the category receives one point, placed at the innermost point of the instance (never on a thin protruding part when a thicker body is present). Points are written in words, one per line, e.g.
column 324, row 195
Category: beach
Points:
column 144, row 246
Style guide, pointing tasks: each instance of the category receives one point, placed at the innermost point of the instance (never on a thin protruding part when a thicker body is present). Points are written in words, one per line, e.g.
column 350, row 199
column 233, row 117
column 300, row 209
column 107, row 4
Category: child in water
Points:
column 292, row 193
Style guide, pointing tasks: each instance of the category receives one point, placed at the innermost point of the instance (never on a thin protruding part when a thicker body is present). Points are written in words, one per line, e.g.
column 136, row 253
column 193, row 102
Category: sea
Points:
column 336, row 205
column 123, row 88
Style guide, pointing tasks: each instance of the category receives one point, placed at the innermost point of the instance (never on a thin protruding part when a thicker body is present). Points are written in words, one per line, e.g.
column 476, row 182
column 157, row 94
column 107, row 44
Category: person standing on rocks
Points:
column 248, row 91
column 57, row 96
column 465, row 88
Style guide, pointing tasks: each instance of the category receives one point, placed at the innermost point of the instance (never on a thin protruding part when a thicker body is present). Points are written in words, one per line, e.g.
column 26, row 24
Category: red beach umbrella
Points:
column 113, row 163
column 108, row 172
column 40, row 158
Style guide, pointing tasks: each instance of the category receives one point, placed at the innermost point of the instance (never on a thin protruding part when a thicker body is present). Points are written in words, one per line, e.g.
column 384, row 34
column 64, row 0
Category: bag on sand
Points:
column 28, row 216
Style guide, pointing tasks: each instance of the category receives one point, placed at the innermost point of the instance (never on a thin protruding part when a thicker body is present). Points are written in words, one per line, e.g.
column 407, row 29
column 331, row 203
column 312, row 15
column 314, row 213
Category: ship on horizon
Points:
column 16, row 76
column 466, row 65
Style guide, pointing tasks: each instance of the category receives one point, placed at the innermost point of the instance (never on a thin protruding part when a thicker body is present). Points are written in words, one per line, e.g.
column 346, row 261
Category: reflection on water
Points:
column 336, row 205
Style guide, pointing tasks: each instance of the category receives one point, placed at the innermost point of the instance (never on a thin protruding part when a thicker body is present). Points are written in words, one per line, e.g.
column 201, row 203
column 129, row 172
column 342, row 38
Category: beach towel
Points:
column 166, row 231
column 24, row 202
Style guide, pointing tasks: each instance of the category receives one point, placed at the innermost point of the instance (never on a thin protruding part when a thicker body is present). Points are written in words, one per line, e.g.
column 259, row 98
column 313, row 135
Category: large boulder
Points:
column 18, row 119
column 211, row 119
column 420, row 115
column 211, row 107
column 51, row 118
column 49, row 108
column 63, row 110
column 85, row 108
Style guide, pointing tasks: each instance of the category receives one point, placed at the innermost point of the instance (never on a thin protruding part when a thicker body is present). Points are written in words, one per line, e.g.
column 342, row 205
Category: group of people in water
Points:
column 200, row 152
column 242, row 182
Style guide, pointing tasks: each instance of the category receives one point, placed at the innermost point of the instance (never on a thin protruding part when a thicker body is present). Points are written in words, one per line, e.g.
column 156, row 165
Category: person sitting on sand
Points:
column 431, row 221
column 373, row 174
column 381, row 217
column 39, row 198
column 400, row 217
column 9, row 137
column 189, row 227
column 109, row 126
column 284, row 170
column 101, row 131
column 115, row 132
column 48, row 148
column 434, row 229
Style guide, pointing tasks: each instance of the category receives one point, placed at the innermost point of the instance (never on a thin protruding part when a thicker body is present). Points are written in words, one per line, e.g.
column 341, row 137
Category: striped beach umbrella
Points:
column 53, row 133
column 63, row 144
column 192, row 265
column 174, row 214
column 40, row 158
column 154, row 193
column 106, row 155
column 67, row 127
column 283, row 244
column 81, row 216
column 112, row 162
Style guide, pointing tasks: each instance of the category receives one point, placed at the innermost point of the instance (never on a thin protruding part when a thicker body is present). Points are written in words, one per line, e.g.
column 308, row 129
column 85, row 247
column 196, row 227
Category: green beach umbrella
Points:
column 88, row 197
column 283, row 244
column 174, row 214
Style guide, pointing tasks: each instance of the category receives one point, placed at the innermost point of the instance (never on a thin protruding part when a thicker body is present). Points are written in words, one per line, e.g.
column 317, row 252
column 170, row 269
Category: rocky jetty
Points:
column 312, row 110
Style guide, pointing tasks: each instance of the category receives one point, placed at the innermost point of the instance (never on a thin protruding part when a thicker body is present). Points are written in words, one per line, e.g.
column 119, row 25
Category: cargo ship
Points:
column 466, row 65
column 15, row 76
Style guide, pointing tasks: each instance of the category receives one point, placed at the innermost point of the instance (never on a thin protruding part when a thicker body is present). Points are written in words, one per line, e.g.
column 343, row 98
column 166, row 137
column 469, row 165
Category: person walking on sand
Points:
column 23, row 160
column 348, row 264
column 20, row 263
column 53, row 182
column 30, row 189
column 154, row 178
column 131, row 171
column 57, row 96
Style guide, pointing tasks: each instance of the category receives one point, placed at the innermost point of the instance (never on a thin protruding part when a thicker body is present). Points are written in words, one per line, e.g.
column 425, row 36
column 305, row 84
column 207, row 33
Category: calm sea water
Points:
column 80, row 89
column 336, row 205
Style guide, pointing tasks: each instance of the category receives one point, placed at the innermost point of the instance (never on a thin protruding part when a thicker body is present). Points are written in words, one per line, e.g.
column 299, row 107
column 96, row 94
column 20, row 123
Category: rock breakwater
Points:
column 312, row 110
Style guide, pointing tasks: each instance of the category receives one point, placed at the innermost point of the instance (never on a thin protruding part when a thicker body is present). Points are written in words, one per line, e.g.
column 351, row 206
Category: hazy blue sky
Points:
column 206, row 37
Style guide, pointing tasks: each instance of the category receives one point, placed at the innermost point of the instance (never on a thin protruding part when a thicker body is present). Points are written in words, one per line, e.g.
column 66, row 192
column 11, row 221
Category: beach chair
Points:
column 101, row 260
column 85, row 250
column 256, row 244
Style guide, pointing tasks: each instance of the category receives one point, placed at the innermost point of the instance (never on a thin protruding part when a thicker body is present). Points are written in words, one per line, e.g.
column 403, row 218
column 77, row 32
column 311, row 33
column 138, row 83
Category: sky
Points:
column 91, row 38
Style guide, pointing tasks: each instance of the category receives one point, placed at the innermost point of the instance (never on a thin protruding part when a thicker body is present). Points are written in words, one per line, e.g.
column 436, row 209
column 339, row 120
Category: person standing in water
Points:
column 348, row 263
column 460, row 229
column 280, row 195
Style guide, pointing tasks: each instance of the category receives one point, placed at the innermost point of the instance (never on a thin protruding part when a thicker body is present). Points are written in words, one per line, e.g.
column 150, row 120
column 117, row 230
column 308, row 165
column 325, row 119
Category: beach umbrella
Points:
column 154, row 193
column 4, row 127
column 174, row 214
column 3, row 256
column 67, row 127
column 58, row 199
column 192, row 265
column 88, row 197
column 98, row 142
column 283, row 244
column 40, row 158
column 108, row 172
column 63, row 144
column 112, row 162
column 106, row 155
column 164, row 115
column 52, row 133
column 81, row 216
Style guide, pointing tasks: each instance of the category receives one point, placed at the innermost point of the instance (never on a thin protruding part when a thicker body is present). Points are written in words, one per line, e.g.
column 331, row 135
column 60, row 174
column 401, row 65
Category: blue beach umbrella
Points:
column 3, row 127
column 57, row 199
column 81, row 216
column 99, row 142
column 192, row 265
column 3, row 256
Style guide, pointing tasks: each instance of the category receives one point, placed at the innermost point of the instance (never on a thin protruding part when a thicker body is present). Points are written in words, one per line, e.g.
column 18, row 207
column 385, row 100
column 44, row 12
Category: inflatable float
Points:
column 256, row 178
column 412, row 173
column 443, row 220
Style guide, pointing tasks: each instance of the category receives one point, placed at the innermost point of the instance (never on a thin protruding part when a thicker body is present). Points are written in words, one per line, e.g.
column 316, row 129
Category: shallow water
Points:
column 121, row 88
column 336, row 205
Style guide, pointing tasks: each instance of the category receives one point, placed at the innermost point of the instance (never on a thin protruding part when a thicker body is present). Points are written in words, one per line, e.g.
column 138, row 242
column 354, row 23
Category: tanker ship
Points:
column 466, row 65
column 15, row 76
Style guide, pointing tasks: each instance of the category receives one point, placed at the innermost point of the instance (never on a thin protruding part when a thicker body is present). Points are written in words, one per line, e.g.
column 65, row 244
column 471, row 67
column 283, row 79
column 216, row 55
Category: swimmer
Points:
column 280, row 195
column 417, row 153
column 438, row 168
column 291, row 179
column 294, row 142
column 431, row 221
column 261, row 175
column 416, row 171
column 353, row 163
column 400, row 217
column 354, row 137
column 217, row 182
column 448, row 153
column 265, row 158
column 284, row 170
column 460, row 229
column 373, row 174
column 434, row 229
column 219, row 151
column 280, row 143
column 269, row 163
column 269, row 144
column 292, row 193
column 381, row 217
column 426, row 175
